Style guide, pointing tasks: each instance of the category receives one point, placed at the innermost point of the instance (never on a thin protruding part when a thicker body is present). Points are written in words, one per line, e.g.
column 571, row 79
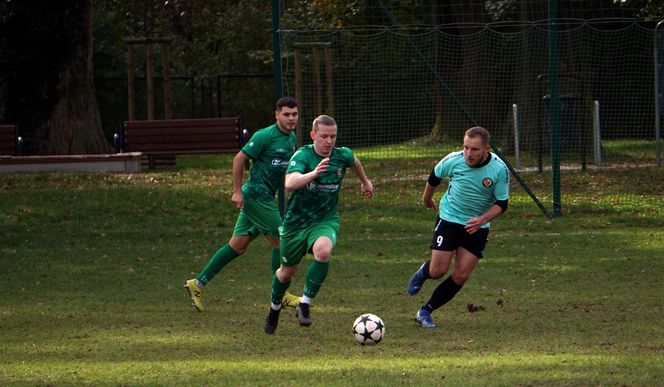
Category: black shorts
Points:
column 448, row 236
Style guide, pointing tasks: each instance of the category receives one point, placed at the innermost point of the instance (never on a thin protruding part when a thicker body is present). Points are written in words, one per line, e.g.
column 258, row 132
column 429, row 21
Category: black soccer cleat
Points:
column 271, row 321
column 302, row 313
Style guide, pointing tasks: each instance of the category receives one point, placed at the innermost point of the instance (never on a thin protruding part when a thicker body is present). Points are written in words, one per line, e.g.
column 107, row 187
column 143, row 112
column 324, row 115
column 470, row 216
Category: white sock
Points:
column 275, row 306
column 306, row 300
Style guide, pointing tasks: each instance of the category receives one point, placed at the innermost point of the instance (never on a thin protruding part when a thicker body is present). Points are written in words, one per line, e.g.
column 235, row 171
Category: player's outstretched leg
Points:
column 416, row 281
column 291, row 300
column 272, row 320
column 195, row 294
column 423, row 316
column 302, row 313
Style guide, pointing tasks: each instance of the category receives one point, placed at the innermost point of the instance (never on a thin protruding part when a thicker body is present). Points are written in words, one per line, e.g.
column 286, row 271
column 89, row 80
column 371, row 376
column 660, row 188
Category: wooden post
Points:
column 298, row 95
column 131, row 114
column 149, row 79
column 168, row 114
column 328, row 81
column 317, row 81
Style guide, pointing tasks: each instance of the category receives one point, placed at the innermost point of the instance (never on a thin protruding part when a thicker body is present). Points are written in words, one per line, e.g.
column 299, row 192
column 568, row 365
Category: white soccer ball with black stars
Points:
column 368, row 329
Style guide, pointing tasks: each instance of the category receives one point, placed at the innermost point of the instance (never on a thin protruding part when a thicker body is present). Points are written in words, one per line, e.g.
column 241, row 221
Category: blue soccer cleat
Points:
column 423, row 316
column 416, row 281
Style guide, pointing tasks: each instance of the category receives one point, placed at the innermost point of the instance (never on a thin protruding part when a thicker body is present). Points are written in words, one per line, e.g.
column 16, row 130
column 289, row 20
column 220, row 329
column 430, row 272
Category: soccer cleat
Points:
column 195, row 294
column 271, row 321
column 302, row 313
column 423, row 316
column 291, row 300
column 416, row 281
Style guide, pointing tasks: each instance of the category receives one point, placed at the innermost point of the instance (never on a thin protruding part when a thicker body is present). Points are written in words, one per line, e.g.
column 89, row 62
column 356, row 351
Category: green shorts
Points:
column 258, row 218
column 296, row 244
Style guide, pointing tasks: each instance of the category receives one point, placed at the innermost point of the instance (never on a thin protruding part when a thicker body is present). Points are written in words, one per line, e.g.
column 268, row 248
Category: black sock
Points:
column 442, row 294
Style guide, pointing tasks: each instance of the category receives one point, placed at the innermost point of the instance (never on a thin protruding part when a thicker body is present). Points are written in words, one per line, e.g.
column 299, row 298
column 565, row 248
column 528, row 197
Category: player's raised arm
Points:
column 366, row 185
column 297, row 180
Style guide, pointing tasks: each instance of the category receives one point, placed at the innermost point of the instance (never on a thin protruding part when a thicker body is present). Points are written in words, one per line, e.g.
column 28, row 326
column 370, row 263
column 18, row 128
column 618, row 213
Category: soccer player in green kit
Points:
column 311, row 223
column 478, row 192
column 269, row 149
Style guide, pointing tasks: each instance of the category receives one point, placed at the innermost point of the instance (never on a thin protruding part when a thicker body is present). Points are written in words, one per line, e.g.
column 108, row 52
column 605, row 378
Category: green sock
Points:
column 278, row 290
column 276, row 259
column 315, row 277
column 220, row 259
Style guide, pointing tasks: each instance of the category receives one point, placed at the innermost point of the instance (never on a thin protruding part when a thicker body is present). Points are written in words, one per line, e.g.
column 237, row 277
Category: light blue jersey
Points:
column 471, row 191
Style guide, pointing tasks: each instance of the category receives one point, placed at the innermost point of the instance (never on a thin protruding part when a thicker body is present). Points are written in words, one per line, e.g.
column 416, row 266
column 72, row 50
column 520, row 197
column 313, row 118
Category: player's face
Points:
column 324, row 139
column 474, row 151
column 287, row 118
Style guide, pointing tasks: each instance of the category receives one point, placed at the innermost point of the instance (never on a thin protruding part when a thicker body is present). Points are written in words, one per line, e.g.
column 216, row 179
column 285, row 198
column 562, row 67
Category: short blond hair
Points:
column 478, row 131
column 322, row 120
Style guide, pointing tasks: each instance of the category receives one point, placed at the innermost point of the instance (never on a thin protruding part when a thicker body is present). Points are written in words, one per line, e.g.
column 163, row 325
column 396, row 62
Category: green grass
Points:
column 93, row 265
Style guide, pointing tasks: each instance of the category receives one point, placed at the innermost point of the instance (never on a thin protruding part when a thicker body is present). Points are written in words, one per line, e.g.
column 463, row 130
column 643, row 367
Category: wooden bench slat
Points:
column 173, row 138
column 6, row 136
column 186, row 123
column 229, row 133
column 181, row 148
column 153, row 130
column 181, row 136
column 8, row 140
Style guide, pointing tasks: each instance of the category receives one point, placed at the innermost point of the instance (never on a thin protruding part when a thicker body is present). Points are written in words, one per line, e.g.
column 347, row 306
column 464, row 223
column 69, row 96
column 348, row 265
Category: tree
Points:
column 48, row 86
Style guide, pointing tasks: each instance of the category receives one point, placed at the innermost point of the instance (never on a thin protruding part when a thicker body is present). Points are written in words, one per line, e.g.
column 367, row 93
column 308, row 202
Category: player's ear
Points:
column 312, row 134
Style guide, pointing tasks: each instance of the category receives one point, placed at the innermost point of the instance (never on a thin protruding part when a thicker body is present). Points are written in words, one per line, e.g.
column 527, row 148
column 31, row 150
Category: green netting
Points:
column 394, row 85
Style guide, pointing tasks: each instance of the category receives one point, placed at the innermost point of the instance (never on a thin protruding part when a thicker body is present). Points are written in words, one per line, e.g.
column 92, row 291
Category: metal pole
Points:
column 131, row 114
column 276, row 47
column 149, row 79
column 597, row 137
column 554, row 108
column 278, row 86
column 658, row 100
column 517, row 156
column 168, row 113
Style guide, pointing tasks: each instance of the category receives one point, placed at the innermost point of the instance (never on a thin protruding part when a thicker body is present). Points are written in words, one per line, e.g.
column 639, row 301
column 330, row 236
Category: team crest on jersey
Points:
column 487, row 182
column 340, row 171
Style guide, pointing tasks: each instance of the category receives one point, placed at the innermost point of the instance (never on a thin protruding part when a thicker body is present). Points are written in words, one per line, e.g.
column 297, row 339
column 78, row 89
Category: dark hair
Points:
column 478, row 131
column 286, row 101
column 322, row 120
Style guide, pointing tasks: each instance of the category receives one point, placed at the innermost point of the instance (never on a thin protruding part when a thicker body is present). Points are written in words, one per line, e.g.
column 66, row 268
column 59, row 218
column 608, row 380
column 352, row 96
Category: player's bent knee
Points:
column 323, row 257
column 460, row 278
column 285, row 273
column 436, row 272
column 239, row 244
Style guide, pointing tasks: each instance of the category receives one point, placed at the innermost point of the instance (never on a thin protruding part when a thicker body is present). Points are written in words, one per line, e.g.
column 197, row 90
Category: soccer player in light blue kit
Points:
column 478, row 192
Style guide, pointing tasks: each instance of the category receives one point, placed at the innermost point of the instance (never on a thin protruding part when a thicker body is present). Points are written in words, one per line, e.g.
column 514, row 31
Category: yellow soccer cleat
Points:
column 195, row 294
column 291, row 300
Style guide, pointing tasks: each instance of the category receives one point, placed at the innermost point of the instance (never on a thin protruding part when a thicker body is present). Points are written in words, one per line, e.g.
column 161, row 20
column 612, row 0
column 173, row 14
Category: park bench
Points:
column 160, row 141
column 10, row 141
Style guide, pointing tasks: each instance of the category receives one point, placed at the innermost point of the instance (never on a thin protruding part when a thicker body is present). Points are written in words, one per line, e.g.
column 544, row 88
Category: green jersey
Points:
column 318, row 200
column 270, row 149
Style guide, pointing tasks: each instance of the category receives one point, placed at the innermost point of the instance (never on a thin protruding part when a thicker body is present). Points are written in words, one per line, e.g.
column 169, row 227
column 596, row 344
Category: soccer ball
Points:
column 368, row 329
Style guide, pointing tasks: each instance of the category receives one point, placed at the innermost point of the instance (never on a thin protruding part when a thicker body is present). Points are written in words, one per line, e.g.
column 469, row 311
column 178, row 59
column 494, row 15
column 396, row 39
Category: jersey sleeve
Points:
column 348, row 156
column 502, row 191
column 256, row 144
column 444, row 167
column 297, row 162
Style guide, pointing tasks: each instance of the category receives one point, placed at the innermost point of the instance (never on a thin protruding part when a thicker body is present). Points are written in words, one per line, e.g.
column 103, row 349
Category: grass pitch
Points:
column 93, row 267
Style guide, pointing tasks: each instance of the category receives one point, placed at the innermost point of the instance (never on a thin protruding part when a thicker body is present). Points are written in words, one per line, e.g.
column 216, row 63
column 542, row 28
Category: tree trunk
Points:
column 51, row 92
column 458, row 19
